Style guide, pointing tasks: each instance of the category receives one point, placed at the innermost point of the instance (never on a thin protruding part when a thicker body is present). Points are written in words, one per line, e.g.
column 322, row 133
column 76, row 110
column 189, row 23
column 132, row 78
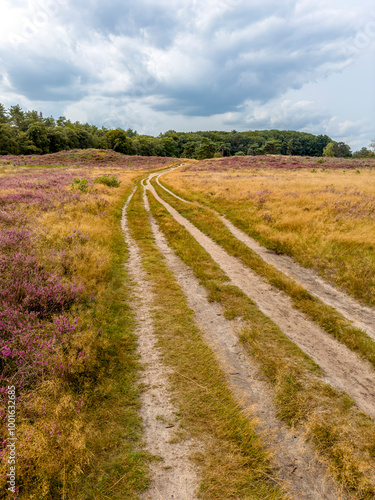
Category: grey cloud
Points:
column 254, row 51
column 45, row 79
column 140, row 19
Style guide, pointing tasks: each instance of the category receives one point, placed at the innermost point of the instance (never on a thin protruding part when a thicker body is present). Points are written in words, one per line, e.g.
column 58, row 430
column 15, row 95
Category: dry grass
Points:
column 79, row 434
column 340, row 431
column 325, row 219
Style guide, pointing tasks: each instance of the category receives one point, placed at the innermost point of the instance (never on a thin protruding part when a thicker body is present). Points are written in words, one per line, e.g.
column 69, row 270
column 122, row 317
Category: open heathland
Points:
column 215, row 341
column 67, row 342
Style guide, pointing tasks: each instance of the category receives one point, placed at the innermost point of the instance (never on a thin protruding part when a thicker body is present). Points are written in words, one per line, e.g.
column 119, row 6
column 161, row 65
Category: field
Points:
column 211, row 338
column 322, row 215
column 62, row 285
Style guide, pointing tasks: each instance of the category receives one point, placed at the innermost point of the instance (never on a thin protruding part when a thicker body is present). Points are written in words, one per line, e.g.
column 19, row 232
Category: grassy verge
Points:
column 342, row 433
column 118, row 465
column 325, row 316
column 233, row 463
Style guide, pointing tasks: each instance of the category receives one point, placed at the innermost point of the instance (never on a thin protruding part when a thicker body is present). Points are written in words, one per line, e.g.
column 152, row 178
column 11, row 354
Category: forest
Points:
column 29, row 132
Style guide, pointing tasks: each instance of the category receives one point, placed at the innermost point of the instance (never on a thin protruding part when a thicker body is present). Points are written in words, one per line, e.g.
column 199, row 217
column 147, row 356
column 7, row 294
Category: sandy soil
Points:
column 174, row 477
column 299, row 470
column 343, row 368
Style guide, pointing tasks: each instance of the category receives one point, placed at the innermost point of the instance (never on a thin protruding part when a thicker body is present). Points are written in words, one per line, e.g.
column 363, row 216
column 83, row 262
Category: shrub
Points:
column 108, row 180
column 81, row 184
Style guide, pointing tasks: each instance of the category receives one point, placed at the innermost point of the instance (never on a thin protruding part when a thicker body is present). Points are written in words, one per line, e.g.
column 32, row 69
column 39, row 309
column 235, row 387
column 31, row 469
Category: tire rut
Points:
column 361, row 316
column 299, row 469
column 343, row 369
column 175, row 477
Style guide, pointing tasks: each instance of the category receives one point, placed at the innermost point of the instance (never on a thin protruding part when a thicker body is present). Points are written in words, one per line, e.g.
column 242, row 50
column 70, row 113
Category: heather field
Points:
column 90, row 158
column 62, row 284
column 281, row 162
column 320, row 211
column 166, row 331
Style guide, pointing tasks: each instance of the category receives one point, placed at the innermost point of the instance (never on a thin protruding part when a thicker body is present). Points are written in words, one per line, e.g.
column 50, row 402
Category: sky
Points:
column 187, row 65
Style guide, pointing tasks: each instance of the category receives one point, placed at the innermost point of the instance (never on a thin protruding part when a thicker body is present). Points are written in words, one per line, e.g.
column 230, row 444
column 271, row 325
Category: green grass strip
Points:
column 233, row 461
column 341, row 432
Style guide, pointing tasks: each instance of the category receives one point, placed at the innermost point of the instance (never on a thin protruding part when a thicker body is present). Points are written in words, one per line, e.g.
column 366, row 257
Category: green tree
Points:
column 364, row 153
column 58, row 139
column 189, row 150
column 320, row 142
column 8, row 142
column 84, row 138
column 17, row 117
column 72, row 137
column 294, row 146
column 206, row 149
column 61, row 121
column 223, row 148
column 329, row 150
column 341, row 150
column 170, row 147
column 273, row 147
column 119, row 141
column 251, row 150
column 37, row 133
column 25, row 145
column 3, row 114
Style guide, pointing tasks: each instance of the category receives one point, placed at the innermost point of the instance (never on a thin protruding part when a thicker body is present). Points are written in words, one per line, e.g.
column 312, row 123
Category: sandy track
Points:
column 299, row 470
column 175, row 477
column 343, row 368
column 362, row 317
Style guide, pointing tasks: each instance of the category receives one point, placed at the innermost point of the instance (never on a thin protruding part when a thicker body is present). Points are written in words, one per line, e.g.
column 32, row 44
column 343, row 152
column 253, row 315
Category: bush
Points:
column 81, row 184
column 108, row 180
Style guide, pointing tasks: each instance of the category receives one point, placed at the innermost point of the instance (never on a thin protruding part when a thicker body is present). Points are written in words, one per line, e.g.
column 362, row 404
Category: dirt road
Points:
column 303, row 475
column 174, row 477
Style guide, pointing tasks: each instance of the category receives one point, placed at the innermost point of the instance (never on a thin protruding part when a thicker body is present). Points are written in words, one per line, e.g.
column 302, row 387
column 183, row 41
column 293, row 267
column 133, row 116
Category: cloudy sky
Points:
column 155, row 65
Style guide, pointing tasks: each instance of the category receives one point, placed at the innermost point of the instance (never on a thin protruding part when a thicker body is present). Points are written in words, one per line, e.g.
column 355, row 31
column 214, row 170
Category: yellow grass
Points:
column 326, row 220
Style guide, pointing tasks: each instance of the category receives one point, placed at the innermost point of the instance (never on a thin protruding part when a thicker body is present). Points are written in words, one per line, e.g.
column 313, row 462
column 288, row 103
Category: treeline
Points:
column 28, row 132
